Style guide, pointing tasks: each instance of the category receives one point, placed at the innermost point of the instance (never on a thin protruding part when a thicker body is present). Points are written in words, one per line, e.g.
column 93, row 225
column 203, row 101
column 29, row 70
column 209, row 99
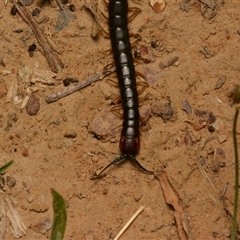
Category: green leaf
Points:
column 60, row 216
column 5, row 167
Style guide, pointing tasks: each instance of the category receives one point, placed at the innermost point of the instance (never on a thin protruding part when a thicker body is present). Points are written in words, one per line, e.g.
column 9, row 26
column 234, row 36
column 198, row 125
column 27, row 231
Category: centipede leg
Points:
column 106, row 3
column 135, row 11
column 143, row 84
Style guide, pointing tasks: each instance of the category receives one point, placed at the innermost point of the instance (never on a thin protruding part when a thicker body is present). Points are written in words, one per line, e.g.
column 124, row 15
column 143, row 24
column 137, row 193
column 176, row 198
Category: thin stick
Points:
column 54, row 61
column 129, row 222
column 56, row 96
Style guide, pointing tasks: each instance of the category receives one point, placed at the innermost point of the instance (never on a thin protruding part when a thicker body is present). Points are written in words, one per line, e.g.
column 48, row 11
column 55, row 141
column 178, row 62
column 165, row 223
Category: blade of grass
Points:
column 234, row 95
column 236, row 187
column 5, row 167
column 60, row 216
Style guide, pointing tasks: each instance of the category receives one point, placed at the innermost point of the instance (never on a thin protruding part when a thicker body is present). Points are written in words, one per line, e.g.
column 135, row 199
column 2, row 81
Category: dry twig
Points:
column 53, row 60
column 56, row 96
column 129, row 222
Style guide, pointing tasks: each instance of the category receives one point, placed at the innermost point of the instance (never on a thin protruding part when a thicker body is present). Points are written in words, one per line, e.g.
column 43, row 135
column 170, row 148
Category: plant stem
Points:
column 236, row 188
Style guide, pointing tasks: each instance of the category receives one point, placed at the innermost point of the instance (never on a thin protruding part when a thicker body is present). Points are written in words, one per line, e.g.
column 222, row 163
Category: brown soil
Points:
column 189, row 53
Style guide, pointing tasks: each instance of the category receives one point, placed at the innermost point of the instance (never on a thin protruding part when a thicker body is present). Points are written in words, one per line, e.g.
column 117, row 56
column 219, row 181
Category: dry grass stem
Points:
column 199, row 157
column 129, row 222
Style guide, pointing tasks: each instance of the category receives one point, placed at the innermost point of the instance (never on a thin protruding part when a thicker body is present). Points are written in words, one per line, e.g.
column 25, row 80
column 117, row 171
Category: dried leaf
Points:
column 30, row 76
column 172, row 198
column 17, row 221
column 12, row 95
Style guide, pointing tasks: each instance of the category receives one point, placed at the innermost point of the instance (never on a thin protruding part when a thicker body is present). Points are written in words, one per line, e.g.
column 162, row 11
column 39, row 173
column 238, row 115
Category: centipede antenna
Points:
column 135, row 161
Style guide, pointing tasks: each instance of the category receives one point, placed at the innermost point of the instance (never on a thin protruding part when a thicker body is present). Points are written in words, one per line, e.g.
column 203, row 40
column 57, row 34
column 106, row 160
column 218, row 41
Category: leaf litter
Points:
column 172, row 198
column 9, row 214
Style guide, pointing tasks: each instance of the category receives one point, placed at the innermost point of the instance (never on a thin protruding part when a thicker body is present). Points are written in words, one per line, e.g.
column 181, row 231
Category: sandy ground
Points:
column 189, row 54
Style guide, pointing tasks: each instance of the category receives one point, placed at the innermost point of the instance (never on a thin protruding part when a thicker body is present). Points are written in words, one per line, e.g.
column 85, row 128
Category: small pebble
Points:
column 145, row 112
column 2, row 62
column 227, row 233
column 33, row 106
column 12, row 117
column 18, row 30
column 137, row 196
column 72, row 8
column 157, row 5
column 186, row 107
column 29, row 199
column 13, row 10
column 64, row 118
column 222, row 164
column 70, row 134
column 43, row 226
column 11, row 181
column 69, row 80
column 65, row 2
column 104, row 192
column 188, row 139
column 222, row 138
column 146, row 54
column 104, row 123
column 154, row 44
column 25, row 153
column 211, row 128
column 32, row 47
column 36, row 12
column 169, row 49
column 95, row 159
column 27, row 2
column 89, row 236
column 220, row 82
column 214, row 234
column 2, row 182
column 162, row 108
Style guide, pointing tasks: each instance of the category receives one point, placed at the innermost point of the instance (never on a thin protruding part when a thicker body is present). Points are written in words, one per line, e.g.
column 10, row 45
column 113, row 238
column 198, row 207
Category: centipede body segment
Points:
column 130, row 136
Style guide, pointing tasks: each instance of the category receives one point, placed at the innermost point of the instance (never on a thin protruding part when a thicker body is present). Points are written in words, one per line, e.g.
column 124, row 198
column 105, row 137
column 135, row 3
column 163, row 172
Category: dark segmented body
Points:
column 130, row 141
column 130, row 138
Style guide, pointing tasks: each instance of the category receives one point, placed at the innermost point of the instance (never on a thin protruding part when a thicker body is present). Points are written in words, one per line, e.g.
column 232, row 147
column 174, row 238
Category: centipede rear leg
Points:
column 121, row 158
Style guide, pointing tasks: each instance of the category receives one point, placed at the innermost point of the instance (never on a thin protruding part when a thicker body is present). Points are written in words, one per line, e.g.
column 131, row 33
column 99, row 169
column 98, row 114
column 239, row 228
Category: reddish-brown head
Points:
column 129, row 146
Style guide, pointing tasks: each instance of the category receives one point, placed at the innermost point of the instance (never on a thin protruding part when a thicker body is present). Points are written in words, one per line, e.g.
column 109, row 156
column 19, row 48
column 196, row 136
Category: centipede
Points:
column 129, row 143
